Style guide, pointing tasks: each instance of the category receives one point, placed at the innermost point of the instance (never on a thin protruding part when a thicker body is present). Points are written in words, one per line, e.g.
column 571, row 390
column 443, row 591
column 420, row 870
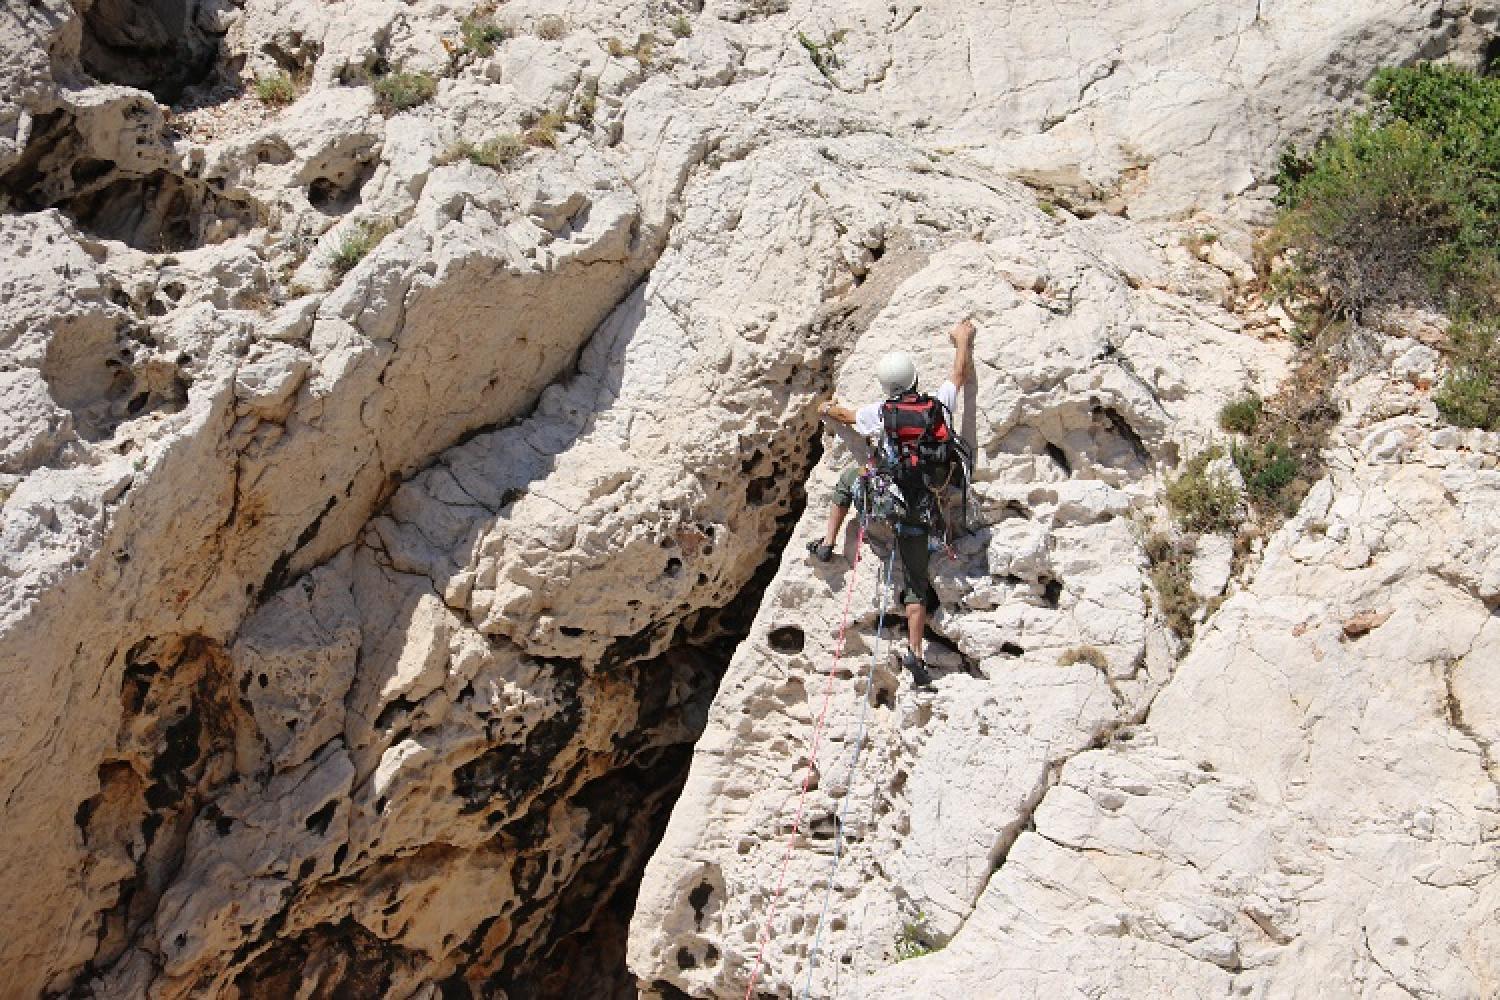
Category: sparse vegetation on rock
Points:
column 495, row 153
column 1203, row 498
column 914, row 939
column 1171, row 561
column 824, row 56
column 356, row 243
column 1242, row 416
column 543, row 132
column 275, row 89
column 401, row 91
column 481, row 32
column 1091, row 655
column 1469, row 394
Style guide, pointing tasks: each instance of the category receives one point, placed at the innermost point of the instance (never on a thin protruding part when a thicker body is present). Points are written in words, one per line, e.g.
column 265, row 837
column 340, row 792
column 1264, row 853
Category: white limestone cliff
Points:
column 356, row 626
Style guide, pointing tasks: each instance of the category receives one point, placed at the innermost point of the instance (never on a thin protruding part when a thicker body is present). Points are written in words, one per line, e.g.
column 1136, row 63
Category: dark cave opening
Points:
column 158, row 213
column 162, row 46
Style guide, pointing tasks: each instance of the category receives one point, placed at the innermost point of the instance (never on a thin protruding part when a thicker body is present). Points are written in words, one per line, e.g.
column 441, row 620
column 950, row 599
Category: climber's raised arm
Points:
column 962, row 337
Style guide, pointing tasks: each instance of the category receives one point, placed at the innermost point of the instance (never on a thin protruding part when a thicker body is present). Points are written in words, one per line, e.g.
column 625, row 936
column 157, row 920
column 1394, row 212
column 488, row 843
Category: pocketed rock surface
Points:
column 385, row 533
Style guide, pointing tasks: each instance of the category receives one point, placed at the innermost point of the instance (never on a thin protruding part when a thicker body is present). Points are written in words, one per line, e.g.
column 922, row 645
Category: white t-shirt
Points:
column 867, row 417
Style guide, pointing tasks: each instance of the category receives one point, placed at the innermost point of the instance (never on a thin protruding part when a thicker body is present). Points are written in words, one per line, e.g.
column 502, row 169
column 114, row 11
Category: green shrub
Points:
column 914, row 939
column 1204, row 499
column 551, row 28
column 401, row 91
column 682, row 27
column 1242, row 416
column 1268, row 469
column 615, row 47
column 1469, row 394
column 356, row 243
column 481, row 33
column 275, row 89
column 1403, row 203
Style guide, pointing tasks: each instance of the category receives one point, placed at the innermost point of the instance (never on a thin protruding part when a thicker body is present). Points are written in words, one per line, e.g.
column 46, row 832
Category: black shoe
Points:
column 821, row 551
column 920, row 678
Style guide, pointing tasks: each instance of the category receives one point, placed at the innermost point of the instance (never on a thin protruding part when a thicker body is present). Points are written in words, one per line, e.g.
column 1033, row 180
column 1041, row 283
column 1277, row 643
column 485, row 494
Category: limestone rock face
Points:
column 385, row 492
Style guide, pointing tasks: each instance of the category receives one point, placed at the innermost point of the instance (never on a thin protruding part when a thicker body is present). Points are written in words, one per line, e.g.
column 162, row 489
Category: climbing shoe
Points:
column 920, row 678
column 821, row 551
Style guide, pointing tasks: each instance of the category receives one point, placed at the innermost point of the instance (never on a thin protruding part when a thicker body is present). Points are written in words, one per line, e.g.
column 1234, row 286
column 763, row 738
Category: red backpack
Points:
column 921, row 449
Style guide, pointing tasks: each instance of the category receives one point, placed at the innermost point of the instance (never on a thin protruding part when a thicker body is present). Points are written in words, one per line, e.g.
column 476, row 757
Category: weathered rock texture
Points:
column 356, row 625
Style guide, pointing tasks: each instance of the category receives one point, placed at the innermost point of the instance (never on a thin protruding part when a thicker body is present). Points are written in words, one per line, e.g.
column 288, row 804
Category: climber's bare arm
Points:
column 962, row 337
column 835, row 411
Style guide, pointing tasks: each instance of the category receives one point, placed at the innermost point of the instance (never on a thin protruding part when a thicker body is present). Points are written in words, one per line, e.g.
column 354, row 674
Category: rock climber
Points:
column 897, row 374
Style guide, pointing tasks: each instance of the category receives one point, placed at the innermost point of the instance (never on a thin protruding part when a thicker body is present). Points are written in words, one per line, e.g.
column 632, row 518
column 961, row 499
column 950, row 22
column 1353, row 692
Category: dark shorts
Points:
column 911, row 542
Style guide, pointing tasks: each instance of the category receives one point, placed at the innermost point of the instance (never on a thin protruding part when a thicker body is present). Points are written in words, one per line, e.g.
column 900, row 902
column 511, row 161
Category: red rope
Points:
column 791, row 840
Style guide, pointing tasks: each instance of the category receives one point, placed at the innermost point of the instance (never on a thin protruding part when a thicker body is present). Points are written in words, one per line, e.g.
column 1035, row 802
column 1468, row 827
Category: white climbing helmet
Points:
column 897, row 372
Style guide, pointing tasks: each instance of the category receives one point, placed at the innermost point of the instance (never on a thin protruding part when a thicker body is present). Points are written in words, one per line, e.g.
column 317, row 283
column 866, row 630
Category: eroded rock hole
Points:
column 163, row 46
column 158, row 213
column 327, row 962
column 787, row 639
column 340, row 192
column 1059, row 458
column 1051, row 592
column 1126, row 448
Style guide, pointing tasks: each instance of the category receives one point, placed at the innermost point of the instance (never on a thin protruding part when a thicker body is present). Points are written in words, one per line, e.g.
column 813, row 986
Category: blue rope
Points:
column 859, row 745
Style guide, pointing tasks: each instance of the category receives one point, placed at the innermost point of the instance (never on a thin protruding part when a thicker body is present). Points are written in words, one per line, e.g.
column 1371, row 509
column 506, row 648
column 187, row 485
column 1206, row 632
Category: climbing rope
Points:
column 853, row 771
column 817, row 735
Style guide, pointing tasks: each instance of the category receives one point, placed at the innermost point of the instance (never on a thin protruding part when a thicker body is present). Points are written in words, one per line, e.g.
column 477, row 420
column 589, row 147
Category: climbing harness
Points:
column 817, row 736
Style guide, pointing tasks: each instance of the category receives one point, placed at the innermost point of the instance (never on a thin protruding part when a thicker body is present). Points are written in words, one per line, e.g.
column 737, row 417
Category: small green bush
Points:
column 1268, row 469
column 1469, row 394
column 682, row 27
column 356, row 243
column 275, row 89
column 551, row 28
column 1202, row 499
column 481, row 33
column 1242, row 416
column 615, row 47
column 914, row 939
column 402, row 91
column 1403, row 203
